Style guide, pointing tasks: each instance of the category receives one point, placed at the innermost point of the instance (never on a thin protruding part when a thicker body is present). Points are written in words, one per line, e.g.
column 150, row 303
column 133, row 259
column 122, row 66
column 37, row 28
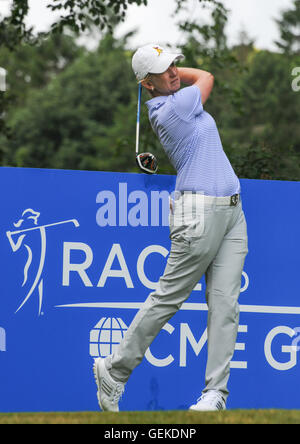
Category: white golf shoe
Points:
column 109, row 391
column 210, row 401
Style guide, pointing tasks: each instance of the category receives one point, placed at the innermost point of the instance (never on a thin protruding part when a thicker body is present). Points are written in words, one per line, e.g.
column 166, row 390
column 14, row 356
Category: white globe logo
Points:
column 106, row 336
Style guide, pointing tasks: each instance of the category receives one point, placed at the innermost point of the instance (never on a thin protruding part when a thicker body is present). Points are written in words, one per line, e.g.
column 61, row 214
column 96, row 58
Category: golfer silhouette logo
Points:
column 16, row 240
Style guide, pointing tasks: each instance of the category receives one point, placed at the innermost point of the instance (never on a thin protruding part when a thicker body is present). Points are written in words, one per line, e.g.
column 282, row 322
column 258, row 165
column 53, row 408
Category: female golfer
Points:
column 207, row 230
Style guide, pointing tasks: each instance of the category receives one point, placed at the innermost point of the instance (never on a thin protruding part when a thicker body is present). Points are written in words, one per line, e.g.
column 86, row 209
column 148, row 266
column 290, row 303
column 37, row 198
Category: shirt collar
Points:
column 156, row 101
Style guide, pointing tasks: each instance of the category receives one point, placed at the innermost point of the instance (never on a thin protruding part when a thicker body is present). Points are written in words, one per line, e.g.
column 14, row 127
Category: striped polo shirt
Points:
column 191, row 140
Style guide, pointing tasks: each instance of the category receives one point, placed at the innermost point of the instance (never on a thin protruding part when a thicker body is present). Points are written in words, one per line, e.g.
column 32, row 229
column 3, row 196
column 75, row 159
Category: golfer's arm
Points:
column 203, row 79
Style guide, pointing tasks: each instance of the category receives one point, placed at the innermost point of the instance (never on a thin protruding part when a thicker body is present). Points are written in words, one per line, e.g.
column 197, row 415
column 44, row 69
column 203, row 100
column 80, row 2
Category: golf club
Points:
column 146, row 161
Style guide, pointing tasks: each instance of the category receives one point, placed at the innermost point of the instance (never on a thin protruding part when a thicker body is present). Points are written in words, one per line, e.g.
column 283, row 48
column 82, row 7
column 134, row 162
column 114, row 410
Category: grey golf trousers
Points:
column 210, row 239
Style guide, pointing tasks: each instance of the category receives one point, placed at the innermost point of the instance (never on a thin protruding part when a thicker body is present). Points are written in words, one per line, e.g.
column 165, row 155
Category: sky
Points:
column 156, row 23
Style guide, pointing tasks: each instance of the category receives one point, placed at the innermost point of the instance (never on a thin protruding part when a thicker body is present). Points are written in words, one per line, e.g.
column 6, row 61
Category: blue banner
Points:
column 81, row 251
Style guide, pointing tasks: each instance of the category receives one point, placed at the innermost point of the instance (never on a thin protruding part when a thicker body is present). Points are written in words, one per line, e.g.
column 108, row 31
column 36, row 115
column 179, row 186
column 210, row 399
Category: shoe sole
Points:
column 97, row 379
column 194, row 408
column 206, row 410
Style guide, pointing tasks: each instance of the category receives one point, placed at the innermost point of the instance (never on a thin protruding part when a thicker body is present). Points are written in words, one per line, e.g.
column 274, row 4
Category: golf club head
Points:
column 147, row 163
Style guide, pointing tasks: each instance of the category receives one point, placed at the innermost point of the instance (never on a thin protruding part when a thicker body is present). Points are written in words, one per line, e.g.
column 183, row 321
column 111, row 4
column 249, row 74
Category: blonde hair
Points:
column 145, row 78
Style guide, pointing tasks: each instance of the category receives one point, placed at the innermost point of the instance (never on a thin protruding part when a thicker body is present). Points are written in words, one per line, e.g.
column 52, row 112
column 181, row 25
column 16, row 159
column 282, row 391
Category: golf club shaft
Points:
column 138, row 120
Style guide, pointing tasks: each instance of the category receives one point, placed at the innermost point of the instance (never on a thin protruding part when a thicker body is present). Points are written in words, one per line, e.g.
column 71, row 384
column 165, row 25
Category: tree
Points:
column 29, row 68
column 289, row 28
column 80, row 112
column 77, row 15
column 33, row 66
column 266, row 135
column 64, row 124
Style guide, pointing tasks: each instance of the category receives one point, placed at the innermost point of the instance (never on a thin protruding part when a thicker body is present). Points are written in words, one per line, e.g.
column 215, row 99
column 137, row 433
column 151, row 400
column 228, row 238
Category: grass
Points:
column 158, row 417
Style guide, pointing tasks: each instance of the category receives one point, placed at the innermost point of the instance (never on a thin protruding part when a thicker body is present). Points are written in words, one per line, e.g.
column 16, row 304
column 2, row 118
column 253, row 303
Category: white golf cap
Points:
column 152, row 59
